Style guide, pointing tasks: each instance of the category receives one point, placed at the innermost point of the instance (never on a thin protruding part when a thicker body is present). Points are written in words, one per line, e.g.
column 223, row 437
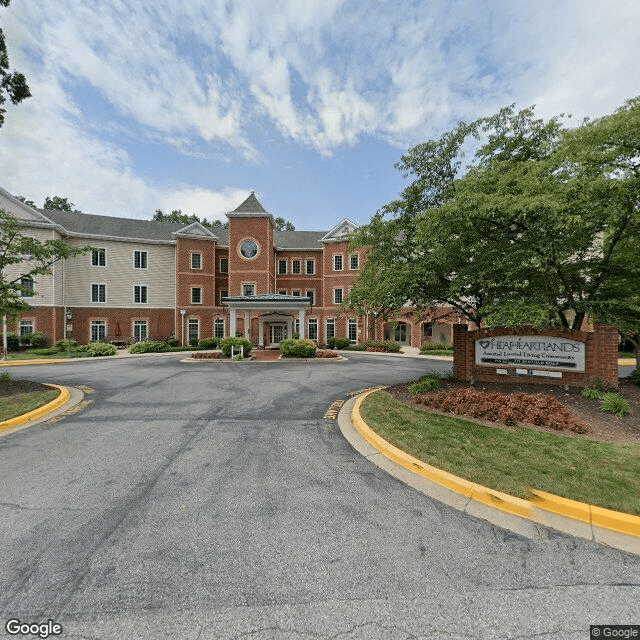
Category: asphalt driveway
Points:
column 213, row 500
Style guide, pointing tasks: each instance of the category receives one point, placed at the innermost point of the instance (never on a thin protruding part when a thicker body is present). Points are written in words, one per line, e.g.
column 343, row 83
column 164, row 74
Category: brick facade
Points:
column 204, row 265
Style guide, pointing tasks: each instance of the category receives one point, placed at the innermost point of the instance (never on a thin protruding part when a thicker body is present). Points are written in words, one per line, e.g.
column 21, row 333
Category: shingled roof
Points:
column 250, row 205
column 90, row 225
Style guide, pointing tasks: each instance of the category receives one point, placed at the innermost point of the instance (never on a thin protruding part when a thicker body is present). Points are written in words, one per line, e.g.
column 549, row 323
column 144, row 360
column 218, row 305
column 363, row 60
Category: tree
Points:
column 31, row 203
column 12, row 84
column 283, row 225
column 177, row 216
column 58, row 203
column 33, row 257
column 530, row 232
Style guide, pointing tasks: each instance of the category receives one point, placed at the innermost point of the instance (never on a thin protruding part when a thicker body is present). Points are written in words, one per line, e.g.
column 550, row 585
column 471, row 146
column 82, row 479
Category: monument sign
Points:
column 561, row 354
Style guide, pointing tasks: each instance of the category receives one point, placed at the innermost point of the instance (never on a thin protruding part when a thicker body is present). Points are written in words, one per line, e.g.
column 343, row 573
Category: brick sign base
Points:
column 601, row 357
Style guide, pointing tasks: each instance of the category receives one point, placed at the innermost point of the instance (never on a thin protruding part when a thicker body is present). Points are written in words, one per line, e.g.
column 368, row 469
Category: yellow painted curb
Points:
column 22, row 363
column 590, row 514
column 56, row 403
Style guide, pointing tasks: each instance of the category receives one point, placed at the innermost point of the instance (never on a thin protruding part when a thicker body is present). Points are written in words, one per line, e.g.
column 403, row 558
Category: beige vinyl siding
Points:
column 43, row 284
column 120, row 276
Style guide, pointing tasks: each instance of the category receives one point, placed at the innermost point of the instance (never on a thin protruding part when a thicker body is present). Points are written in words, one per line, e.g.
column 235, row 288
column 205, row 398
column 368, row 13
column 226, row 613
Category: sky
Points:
column 191, row 105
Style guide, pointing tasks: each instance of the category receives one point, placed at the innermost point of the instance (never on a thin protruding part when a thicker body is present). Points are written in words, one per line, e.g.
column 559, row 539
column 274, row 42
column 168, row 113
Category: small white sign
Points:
column 502, row 372
column 536, row 351
column 534, row 372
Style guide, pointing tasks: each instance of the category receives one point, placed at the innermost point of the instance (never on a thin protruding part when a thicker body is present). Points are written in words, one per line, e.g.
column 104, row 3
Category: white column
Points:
column 302, row 322
column 232, row 321
column 247, row 325
column 289, row 327
column 260, row 332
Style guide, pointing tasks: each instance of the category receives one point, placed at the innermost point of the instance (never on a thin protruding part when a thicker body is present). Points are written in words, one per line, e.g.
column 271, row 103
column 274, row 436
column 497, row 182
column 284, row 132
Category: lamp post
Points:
column 182, row 312
column 68, row 327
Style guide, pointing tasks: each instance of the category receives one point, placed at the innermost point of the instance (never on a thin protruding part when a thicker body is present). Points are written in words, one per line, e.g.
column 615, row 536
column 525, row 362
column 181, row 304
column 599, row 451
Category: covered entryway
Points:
column 277, row 313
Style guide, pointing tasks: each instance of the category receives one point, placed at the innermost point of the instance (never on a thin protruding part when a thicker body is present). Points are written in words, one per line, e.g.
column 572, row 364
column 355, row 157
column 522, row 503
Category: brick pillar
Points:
column 606, row 353
column 461, row 369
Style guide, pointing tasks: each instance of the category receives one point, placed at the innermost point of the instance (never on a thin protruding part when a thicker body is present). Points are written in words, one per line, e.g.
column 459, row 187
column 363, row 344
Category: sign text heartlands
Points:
column 538, row 351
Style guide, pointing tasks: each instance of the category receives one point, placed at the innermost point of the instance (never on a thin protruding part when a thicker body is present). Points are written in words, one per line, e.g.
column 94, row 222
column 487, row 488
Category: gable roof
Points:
column 22, row 211
column 341, row 231
column 197, row 230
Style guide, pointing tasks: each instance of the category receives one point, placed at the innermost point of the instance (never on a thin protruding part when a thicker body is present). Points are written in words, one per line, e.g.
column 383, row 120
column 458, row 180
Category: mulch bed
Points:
column 17, row 387
column 601, row 426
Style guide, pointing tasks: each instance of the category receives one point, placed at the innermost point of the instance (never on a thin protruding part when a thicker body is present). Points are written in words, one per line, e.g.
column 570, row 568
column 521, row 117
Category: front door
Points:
column 278, row 332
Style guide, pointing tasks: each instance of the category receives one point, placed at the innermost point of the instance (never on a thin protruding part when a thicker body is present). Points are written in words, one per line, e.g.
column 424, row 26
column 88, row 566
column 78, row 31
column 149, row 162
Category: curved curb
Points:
column 614, row 528
column 55, row 404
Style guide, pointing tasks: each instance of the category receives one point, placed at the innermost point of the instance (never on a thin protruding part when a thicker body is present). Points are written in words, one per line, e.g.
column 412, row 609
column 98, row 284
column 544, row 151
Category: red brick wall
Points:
column 259, row 270
column 49, row 320
column 601, row 356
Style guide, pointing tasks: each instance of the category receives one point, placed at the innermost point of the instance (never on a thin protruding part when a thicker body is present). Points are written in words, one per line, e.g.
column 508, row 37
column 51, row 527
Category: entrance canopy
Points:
column 272, row 307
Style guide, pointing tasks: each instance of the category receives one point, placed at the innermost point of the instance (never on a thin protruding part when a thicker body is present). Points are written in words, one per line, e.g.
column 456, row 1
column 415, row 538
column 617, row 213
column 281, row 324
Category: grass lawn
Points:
column 437, row 352
column 512, row 461
column 24, row 355
column 23, row 403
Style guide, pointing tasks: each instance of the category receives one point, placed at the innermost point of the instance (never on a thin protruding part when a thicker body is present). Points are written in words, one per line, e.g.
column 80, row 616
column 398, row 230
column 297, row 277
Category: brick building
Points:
column 147, row 279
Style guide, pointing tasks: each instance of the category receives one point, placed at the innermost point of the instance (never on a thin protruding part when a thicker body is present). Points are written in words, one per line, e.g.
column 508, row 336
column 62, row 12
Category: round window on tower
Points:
column 249, row 249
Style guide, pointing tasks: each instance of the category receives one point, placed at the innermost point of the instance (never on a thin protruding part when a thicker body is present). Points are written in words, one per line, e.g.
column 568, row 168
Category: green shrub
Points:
column 435, row 346
column 635, row 376
column 236, row 343
column 82, row 347
column 428, row 382
column 592, row 394
column 616, row 404
column 37, row 339
column 238, row 356
column 172, row 343
column 13, row 341
column 298, row 348
column 338, row 343
column 47, row 351
column 5, row 376
column 388, row 345
column 97, row 349
column 64, row 344
column 193, row 342
column 148, row 346
column 208, row 343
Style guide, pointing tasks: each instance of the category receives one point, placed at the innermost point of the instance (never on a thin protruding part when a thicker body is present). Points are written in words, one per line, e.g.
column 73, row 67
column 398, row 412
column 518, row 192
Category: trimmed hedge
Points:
column 236, row 343
column 298, row 348
column 98, row 349
column 148, row 346
column 13, row 341
column 338, row 343
column 208, row 343
column 388, row 345
column 436, row 346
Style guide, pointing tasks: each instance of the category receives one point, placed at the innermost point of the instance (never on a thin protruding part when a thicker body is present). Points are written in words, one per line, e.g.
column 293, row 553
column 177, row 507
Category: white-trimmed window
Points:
column 98, row 292
column 311, row 295
column 337, row 296
column 98, row 330
column 313, row 329
column 337, row 262
column 140, row 331
column 311, row 267
column 140, row 259
column 193, row 328
column 296, row 293
column 296, row 266
column 218, row 328
column 353, row 330
column 282, row 292
column 248, row 289
column 140, row 294
column 26, row 326
column 99, row 258
column 296, row 328
column 196, row 261
column 354, row 262
column 282, row 267
column 26, row 282
column 224, row 265
column 331, row 328
column 196, row 295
